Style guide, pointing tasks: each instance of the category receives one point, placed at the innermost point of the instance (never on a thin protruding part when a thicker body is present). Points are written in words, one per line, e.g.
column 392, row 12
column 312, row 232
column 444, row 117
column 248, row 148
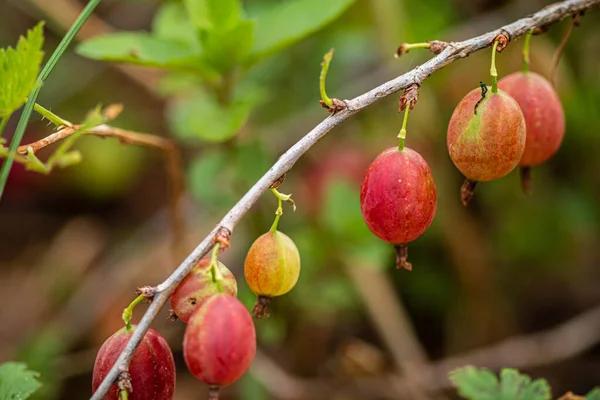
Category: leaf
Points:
column 475, row 384
column 19, row 68
column 223, row 49
column 172, row 23
column 200, row 117
column 141, row 48
column 209, row 179
column 214, row 14
column 16, row 381
column 593, row 395
column 482, row 384
column 280, row 27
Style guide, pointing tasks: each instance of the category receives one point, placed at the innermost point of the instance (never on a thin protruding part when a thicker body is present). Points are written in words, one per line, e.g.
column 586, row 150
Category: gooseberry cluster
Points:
column 219, row 343
column 518, row 121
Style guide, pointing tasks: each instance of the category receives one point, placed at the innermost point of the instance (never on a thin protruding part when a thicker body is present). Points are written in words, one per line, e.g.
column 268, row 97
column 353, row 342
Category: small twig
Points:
column 168, row 147
column 546, row 16
column 560, row 49
column 434, row 46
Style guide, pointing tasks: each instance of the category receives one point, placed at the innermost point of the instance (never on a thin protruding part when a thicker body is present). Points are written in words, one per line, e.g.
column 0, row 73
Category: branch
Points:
column 543, row 18
column 168, row 147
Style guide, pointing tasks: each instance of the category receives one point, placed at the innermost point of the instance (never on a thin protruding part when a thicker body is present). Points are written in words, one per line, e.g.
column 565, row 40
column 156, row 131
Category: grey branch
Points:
column 455, row 50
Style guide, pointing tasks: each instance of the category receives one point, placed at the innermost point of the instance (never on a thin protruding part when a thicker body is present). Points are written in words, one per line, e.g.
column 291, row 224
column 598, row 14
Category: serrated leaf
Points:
column 141, row 48
column 223, row 49
column 482, row 384
column 19, row 68
column 291, row 21
column 200, row 117
column 172, row 23
column 214, row 14
column 16, row 381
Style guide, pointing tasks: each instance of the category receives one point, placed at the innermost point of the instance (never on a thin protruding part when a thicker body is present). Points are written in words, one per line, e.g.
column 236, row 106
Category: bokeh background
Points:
column 74, row 245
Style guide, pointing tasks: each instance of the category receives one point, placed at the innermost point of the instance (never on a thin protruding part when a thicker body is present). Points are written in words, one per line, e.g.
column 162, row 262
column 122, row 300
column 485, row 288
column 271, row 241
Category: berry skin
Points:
column 398, row 198
column 543, row 112
column 199, row 285
column 219, row 342
column 152, row 367
column 487, row 145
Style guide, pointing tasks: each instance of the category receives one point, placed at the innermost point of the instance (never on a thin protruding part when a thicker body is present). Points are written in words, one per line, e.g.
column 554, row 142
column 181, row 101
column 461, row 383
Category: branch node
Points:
column 147, row 291
column 410, row 97
column 277, row 182
column 124, row 381
column 437, row 46
column 503, row 39
column 337, row 106
column 222, row 237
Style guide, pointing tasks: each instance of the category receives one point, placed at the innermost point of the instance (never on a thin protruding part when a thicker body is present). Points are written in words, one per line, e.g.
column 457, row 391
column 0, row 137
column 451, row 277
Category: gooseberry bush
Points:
column 208, row 49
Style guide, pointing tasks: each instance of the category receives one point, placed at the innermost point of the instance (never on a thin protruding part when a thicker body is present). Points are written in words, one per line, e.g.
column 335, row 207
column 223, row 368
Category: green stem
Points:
column 3, row 123
column 124, row 395
column 278, row 214
column 526, row 51
column 493, row 71
column 324, row 68
column 50, row 116
column 58, row 52
column 128, row 312
column 402, row 134
column 215, row 273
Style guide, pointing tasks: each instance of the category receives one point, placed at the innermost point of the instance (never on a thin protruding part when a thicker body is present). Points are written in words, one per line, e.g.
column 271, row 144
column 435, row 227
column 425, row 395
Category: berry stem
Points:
column 215, row 273
column 50, row 116
column 405, row 47
column 493, row 70
column 279, row 212
column 123, row 394
column 525, row 66
column 128, row 312
column 402, row 134
column 324, row 68
column 213, row 393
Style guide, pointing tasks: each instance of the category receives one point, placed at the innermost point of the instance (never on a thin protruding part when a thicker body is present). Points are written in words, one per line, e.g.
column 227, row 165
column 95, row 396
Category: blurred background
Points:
column 512, row 280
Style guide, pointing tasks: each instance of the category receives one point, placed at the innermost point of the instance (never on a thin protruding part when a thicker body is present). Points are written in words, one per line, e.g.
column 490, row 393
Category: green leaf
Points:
column 223, row 49
column 140, row 48
column 214, row 14
column 209, row 179
column 172, row 23
column 482, row 384
column 200, row 117
column 280, row 27
column 593, row 395
column 16, row 381
column 19, row 68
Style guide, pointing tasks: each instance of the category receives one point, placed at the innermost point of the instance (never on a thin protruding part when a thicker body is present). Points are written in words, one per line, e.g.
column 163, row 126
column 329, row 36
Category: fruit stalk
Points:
column 128, row 312
column 402, row 134
column 525, row 66
column 493, row 70
column 215, row 273
column 324, row 68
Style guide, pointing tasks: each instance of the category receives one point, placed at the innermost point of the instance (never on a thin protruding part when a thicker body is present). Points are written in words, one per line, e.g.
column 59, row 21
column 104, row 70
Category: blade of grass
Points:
column 60, row 50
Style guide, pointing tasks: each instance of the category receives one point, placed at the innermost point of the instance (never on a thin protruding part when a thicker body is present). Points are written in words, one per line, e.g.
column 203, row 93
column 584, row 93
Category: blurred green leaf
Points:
column 140, row 48
column 209, row 180
column 16, row 381
column 253, row 158
column 214, row 14
column 41, row 353
column 223, row 49
column 19, row 68
column 482, row 384
column 593, row 395
column 291, row 21
column 200, row 117
column 172, row 23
